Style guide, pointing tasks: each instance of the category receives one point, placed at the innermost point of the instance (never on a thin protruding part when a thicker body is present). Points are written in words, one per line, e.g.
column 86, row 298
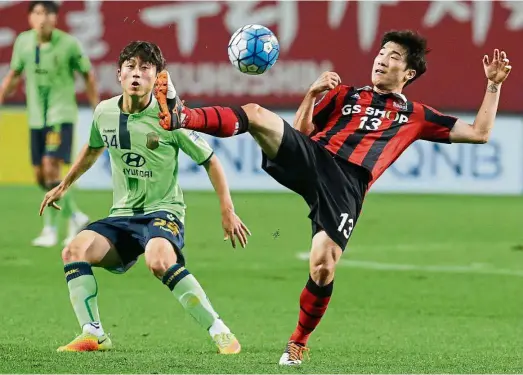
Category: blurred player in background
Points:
column 340, row 145
column 148, row 207
column 50, row 57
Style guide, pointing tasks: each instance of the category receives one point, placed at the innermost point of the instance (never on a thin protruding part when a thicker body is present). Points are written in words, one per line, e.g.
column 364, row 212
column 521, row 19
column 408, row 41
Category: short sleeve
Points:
column 95, row 138
column 191, row 143
column 436, row 126
column 79, row 60
column 324, row 108
column 17, row 61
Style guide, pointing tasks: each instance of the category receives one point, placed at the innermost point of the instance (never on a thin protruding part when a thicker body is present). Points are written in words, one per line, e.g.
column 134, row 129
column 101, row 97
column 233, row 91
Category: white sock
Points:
column 94, row 328
column 218, row 327
column 171, row 91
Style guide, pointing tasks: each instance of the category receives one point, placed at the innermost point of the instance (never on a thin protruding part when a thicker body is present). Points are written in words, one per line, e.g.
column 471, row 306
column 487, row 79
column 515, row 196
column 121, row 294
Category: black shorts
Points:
column 130, row 234
column 332, row 187
column 55, row 141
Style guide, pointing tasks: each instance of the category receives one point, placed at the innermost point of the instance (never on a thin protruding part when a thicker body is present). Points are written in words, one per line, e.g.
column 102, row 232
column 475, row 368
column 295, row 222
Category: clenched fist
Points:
column 327, row 81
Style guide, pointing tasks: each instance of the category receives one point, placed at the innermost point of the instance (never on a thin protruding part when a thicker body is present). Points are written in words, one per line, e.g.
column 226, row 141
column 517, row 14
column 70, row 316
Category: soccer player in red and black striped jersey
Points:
column 339, row 145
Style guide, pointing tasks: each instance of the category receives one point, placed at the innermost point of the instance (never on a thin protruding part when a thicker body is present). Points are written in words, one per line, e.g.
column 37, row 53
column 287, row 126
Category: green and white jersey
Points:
column 144, row 158
column 49, row 76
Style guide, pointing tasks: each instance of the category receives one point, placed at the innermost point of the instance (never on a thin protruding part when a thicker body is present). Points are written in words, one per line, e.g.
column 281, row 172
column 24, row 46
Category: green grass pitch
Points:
column 428, row 284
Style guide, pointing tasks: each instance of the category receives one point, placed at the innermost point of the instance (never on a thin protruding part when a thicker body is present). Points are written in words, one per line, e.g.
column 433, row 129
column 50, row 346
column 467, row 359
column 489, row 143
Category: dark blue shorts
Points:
column 54, row 141
column 130, row 235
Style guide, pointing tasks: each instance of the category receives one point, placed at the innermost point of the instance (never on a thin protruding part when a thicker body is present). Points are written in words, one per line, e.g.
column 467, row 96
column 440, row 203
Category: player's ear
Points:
column 119, row 75
column 411, row 73
column 54, row 19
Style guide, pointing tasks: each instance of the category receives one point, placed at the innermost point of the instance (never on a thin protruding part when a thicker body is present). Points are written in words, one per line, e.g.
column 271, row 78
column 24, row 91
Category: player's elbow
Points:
column 480, row 138
column 212, row 163
column 470, row 136
column 14, row 74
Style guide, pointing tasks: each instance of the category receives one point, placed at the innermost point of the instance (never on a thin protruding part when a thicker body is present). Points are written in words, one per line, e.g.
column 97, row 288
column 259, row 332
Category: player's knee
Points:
column 256, row 115
column 322, row 271
column 50, row 170
column 159, row 256
column 50, row 176
column 74, row 252
column 324, row 256
column 158, row 266
column 41, row 181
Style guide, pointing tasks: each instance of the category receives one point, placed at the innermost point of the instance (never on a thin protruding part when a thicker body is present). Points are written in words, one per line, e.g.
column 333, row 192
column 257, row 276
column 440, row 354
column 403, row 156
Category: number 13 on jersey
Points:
column 346, row 225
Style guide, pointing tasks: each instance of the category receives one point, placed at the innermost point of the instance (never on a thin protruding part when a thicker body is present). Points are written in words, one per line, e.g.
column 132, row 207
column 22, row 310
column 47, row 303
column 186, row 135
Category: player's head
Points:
column 400, row 61
column 138, row 65
column 42, row 16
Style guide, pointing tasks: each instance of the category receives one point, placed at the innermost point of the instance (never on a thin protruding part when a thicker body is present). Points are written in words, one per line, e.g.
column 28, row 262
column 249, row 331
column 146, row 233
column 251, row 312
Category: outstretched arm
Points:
column 85, row 160
column 479, row 132
column 232, row 224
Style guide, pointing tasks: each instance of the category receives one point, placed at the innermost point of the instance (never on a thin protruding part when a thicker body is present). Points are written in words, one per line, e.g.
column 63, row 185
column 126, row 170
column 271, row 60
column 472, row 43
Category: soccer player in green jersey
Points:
column 50, row 57
column 147, row 216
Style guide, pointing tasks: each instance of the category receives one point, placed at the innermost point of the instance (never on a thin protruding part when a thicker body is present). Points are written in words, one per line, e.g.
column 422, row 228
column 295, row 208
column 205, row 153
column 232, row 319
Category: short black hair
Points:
column 49, row 6
column 146, row 51
column 416, row 47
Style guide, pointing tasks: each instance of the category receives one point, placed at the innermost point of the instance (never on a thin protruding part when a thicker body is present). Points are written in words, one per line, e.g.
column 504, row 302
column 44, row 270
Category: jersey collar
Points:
column 402, row 97
column 150, row 107
column 54, row 36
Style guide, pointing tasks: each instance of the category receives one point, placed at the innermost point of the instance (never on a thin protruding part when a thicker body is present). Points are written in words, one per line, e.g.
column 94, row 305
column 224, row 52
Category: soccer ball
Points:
column 253, row 49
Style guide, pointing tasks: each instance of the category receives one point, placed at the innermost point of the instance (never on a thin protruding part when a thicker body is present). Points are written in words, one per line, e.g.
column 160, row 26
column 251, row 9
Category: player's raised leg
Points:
column 88, row 249
column 162, row 260
column 314, row 297
column 265, row 126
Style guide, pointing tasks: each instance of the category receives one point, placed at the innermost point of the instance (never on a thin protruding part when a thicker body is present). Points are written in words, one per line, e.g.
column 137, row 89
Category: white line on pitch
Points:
column 477, row 268
column 424, row 247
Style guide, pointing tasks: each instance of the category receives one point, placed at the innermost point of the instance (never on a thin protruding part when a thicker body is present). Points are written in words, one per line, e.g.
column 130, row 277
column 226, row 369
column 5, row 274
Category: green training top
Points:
column 144, row 158
column 49, row 76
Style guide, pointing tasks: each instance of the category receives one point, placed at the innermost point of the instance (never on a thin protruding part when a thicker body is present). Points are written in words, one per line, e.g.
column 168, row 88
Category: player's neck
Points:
column 385, row 91
column 134, row 104
column 44, row 38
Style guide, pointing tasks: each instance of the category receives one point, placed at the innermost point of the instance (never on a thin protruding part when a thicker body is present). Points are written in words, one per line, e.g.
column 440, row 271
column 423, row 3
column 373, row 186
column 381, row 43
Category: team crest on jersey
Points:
column 401, row 106
column 153, row 141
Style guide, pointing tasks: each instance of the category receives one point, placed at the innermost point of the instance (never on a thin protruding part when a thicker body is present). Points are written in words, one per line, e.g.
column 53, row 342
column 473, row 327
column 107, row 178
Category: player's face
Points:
column 41, row 21
column 137, row 77
column 389, row 71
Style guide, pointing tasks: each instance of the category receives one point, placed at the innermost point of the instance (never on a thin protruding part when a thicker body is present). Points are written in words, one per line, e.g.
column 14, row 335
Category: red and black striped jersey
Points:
column 372, row 130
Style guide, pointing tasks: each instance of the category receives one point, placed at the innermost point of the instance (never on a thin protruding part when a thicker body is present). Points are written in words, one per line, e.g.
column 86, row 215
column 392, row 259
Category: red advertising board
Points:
column 314, row 37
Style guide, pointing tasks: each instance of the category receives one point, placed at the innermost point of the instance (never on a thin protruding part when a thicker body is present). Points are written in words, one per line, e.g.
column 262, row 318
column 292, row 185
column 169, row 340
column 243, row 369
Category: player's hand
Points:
column 51, row 198
column 327, row 81
column 498, row 69
column 234, row 228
